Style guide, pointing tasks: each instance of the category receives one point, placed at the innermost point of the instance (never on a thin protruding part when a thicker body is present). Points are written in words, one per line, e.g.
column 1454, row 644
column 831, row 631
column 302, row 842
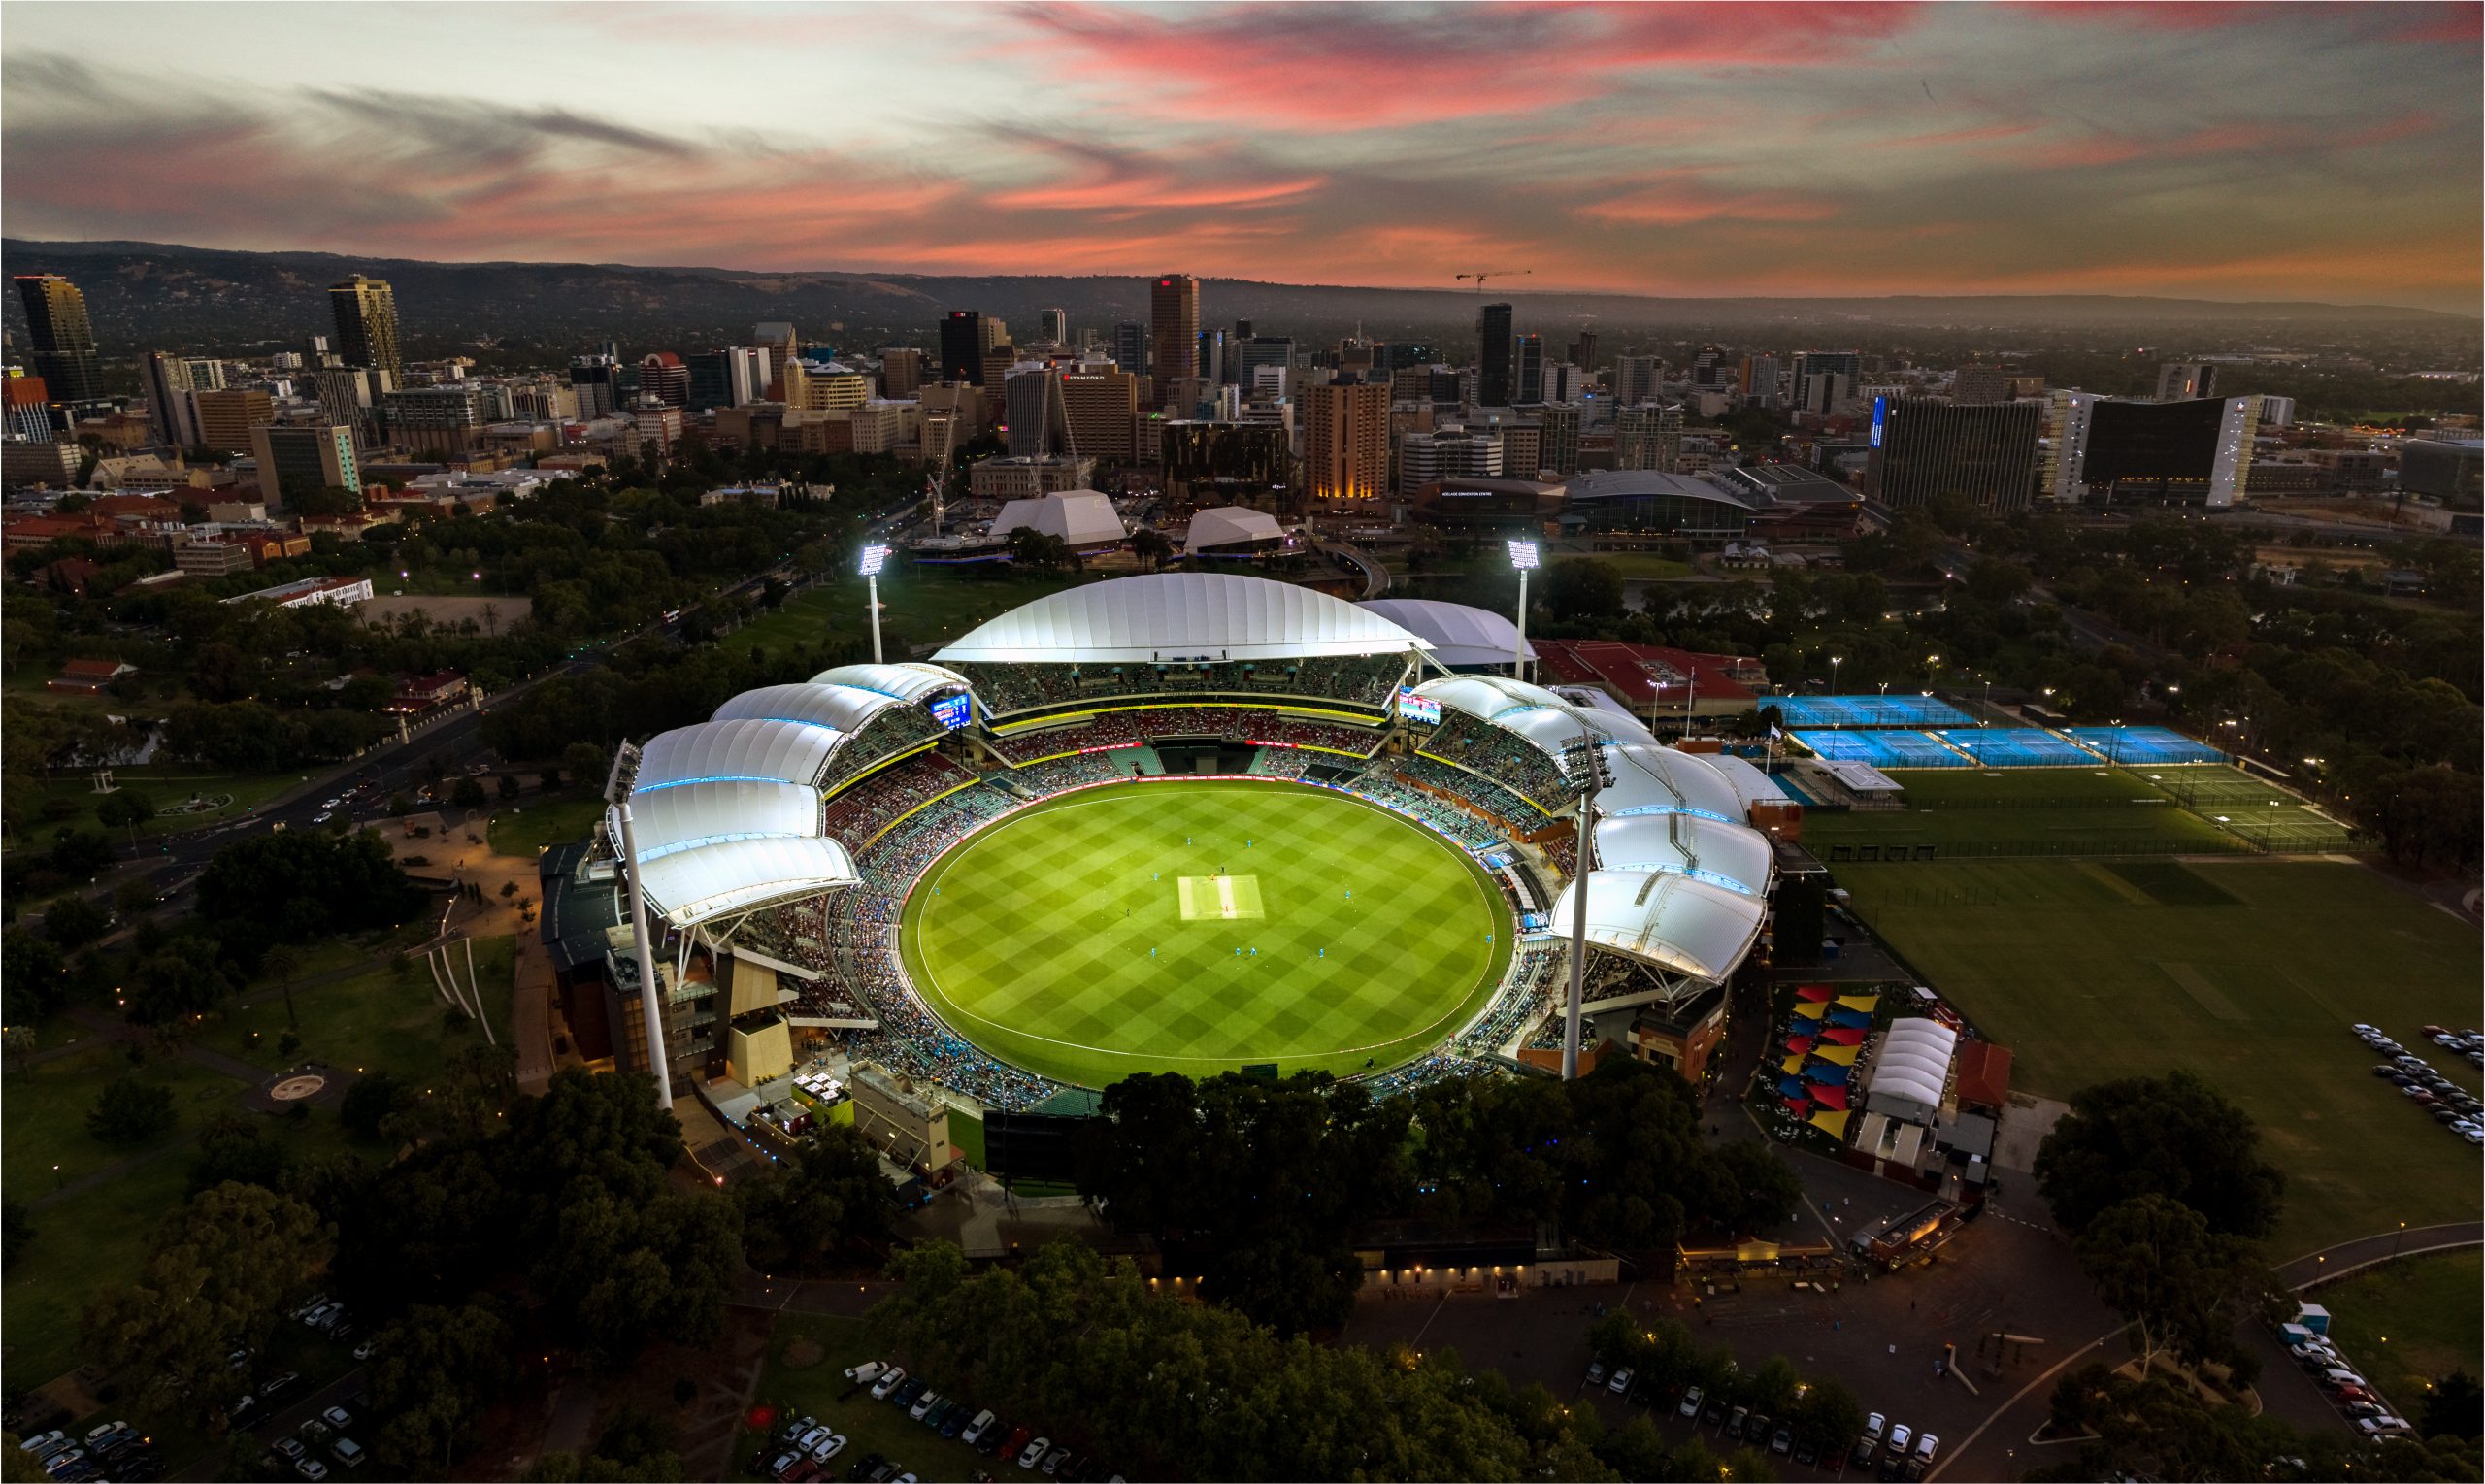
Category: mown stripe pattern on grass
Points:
column 1034, row 938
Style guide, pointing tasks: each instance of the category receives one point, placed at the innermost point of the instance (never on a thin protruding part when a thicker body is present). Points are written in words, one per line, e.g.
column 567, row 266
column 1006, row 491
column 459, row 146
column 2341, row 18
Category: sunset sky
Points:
column 2225, row 151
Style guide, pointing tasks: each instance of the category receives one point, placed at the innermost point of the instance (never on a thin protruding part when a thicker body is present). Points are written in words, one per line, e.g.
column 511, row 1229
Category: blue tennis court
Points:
column 1883, row 749
column 1867, row 712
column 2020, row 747
column 2144, row 745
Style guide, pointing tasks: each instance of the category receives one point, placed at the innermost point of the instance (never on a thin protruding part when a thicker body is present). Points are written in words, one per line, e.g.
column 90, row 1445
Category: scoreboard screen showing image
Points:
column 1419, row 708
column 953, row 711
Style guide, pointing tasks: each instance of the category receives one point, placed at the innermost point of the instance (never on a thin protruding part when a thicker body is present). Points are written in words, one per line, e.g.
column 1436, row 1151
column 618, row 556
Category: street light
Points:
column 874, row 559
column 1834, row 661
column 1523, row 557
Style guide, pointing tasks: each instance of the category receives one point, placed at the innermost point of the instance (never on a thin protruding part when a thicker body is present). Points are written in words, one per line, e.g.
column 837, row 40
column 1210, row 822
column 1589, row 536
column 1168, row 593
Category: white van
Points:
column 866, row 1372
column 346, row 1451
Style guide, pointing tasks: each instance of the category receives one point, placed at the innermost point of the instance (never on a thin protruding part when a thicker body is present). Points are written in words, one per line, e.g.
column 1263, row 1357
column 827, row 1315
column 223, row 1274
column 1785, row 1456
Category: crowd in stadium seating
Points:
column 1005, row 688
column 1525, row 994
column 1381, row 784
column 1485, row 794
column 894, row 730
column 863, row 811
column 1079, row 769
column 1516, row 762
column 1129, row 728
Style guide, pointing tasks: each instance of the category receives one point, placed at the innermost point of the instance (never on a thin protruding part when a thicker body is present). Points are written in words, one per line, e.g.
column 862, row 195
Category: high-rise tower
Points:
column 1174, row 326
column 366, row 310
column 64, row 342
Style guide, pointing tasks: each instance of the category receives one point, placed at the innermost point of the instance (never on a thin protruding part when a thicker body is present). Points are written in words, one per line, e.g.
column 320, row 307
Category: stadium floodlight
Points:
column 875, row 557
column 1583, row 764
column 1523, row 557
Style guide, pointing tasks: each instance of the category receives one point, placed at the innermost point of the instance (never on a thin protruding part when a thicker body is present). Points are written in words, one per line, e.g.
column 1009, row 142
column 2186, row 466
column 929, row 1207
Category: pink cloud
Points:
column 1676, row 197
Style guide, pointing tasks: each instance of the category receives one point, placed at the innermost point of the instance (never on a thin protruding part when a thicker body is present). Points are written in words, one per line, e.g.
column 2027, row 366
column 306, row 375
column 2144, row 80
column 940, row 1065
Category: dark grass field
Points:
column 2248, row 972
column 1058, row 940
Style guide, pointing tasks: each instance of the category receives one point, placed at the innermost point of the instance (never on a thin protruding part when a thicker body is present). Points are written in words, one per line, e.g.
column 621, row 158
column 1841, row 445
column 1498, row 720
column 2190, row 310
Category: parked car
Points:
column 1621, row 1381
column 890, row 1381
column 346, row 1451
column 866, row 1372
column 1734, row 1421
column 1927, row 1446
column 828, row 1448
column 1757, row 1429
column 1034, row 1451
column 279, row 1384
column 1900, row 1436
column 1054, row 1459
column 923, row 1403
column 1596, row 1372
column 1016, row 1442
column 337, row 1417
column 1782, row 1441
column 311, row 1469
column 1691, row 1400
column 907, row 1394
column 974, row 1431
column 288, row 1448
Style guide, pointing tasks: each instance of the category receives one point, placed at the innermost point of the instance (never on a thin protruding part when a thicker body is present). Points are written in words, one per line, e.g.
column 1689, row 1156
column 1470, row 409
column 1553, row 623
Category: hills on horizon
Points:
column 201, row 298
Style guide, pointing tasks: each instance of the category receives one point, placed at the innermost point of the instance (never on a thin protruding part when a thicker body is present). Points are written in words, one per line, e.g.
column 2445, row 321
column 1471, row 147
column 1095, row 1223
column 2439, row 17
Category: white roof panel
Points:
column 1675, row 922
column 1230, row 525
column 1728, row 854
column 671, row 820
column 906, row 680
column 1081, row 517
column 690, row 886
column 1486, row 696
column 1460, row 634
column 1652, row 778
column 1187, row 614
column 841, row 708
column 787, row 751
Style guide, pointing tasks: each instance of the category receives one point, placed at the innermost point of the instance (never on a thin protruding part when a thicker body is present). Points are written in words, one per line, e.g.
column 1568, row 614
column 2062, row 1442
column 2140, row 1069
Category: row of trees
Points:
column 1167, row 1388
column 1260, row 1187
column 1823, row 1413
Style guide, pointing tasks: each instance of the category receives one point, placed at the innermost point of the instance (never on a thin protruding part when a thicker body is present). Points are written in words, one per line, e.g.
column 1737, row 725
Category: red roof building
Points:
column 88, row 677
column 1984, row 1075
column 1636, row 675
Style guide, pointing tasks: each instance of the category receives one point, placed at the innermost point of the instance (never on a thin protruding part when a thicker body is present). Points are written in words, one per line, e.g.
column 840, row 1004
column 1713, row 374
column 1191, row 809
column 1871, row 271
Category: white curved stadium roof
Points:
column 714, row 751
column 1680, row 878
column 1181, row 615
column 670, row 820
column 906, row 680
column 1914, row 1061
column 841, row 709
column 691, row 887
column 1672, row 921
column 1461, row 636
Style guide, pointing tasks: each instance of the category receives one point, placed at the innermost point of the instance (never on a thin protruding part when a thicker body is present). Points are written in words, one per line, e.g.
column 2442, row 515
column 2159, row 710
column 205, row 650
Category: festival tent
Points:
column 1809, row 1011
column 1813, row 993
column 1791, row 1085
column 1798, row 1043
column 1834, row 1124
column 1830, row 1097
column 1856, row 1018
column 1843, row 1035
column 1791, row 1064
column 1799, row 1106
column 1845, row 1056
column 1832, row 1073
column 1859, row 1002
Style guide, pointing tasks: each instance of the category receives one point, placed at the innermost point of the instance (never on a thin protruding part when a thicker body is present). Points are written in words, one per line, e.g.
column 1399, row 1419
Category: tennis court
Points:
column 1883, row 749
column 2144, row 746
column 1867, row 712
column 2020, row 747
column 2251, row 807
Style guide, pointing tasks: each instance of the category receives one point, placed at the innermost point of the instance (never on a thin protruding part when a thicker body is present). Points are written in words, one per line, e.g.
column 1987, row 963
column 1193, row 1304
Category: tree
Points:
column 302, row 886
column 282, row 965
column 30, row 977
column 371, row 1100
column 2181, row 1285
column 510, row 787
column 179, row 981
column 468, row 794
column 16, row 1231
column 1578, row 587
column 129, row 1111
column 230, row 1148
column 73, row 921
column 1827, row 1416
column 124, row 808
column 2172, row 1136
column 586, row 762
column 1151, row 545
column 829, row 1197
column 437, row 1370
column 2455, row 1409
column 400, row 806
column 219, row 1277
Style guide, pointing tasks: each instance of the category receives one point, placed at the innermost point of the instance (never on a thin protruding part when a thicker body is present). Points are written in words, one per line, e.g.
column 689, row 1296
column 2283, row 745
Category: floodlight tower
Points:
column 618, row 793
column 1583, row 764
column 1523, row 557
column 874, row 559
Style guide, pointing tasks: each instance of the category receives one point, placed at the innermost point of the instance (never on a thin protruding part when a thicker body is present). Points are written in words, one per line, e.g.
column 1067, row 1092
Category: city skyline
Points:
column 2310, row 152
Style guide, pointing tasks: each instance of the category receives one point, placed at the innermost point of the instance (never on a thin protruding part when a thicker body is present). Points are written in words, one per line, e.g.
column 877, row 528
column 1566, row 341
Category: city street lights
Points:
column 1834, row 661
column 1523, row 557
column 1584, row 766
column 874, row 559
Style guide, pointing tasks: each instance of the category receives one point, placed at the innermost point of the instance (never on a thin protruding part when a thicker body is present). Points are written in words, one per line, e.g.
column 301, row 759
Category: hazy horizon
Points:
column 2312, row 153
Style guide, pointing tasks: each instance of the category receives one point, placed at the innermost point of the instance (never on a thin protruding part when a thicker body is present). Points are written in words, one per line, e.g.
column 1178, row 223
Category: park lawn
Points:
column 83, row 1245
column 381, row 1020
column 48, row 1105
column 2410, row 1323
column 532, row 827
column 2092, row 971
column 2143, row 829
column 1642, row 566
column 868, row 1426
column 921, row 605
column 166, row 784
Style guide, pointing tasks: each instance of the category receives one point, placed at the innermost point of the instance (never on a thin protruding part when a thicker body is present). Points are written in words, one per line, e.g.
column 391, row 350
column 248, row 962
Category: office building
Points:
column 345, row 399
column 62, row 341
column 962, row 347
column 1345, row 440
column 596, row 382
column 167, row 382
column 663, row 376
column 997, row 363
column 366, row 315
column 1261, row 351
column 1211, row 356
column 730, row 377
column 28, row 404
column 1971, row 386
column 1845, row 363
column 1583, row 350
column 825, row 386
column 658, row 428
column 1824, row 393
column 1638, row 378
column 901, row 372
column 1709, row 368
column 1530, row 351
column 1451, row 451
column 225, row 418
column 1008, row 478
column 2197, row 452
column 298, row 462
column 1924, row 451
column 2186, row 380
column 1558, row 437
column 1129, row 347
column 2445, row 469
column 2064, row 443
column 1034, row 411
column 1648, row 436
column 1102, row 404
column 1760, row 380
column 1174, row 326
column 1227, row 463
column 437, row 420
column 1053, row 326
column 1493, row 382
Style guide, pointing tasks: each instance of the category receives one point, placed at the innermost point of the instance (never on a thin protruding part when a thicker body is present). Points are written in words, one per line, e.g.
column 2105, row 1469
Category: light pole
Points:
column 874, row 559
column 1584, row 764
column 1523, row 557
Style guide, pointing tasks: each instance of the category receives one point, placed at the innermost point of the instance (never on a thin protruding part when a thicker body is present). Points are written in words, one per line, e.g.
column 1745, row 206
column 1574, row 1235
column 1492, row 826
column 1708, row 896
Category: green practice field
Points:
column 2410, row 1323
column 2247, row 973
column 1974, row 813
column 1202, row 927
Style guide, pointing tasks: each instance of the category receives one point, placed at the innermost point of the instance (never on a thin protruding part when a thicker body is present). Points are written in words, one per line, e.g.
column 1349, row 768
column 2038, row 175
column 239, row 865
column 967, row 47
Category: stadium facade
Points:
column 777, row 842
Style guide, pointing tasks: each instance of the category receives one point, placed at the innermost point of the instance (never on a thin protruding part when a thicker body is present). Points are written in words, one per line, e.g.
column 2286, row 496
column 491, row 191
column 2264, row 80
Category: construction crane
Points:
column 1494, row 272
